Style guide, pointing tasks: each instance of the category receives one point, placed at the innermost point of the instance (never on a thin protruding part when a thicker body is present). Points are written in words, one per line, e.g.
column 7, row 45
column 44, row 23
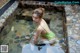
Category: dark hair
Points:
column 39, row 12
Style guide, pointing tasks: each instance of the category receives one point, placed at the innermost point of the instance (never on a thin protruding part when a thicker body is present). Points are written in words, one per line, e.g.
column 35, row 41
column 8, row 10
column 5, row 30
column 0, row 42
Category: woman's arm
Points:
column 36, row 35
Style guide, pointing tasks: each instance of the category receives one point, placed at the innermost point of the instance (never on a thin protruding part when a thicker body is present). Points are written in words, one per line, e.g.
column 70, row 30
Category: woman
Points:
column 45, row 34
column 42, row 30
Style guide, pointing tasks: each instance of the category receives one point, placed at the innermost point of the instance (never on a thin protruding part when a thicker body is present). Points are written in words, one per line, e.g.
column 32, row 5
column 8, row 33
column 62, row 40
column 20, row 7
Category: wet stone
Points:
column 72, row 43
column 27, row 37
column 14, row 35
column 70, row 38
column 10, row 50
column 50, row 13
column 61, row 41
column 1, row 24
column 74, row 47
column 17, row 37
column 15, row 31
column 59, row 25
column 2, row 20
column 10, row 41
column 30, row 23
column 19, row 46
column 74, row 20
column 68, row 14
column 5, row 32
column 78, row 42
column 75, row 37
column 72, row 50
column 31, row 30
column 7, row 43
column 78, row 48
column 17, row 20
column 23, row 39
column 77, row 24
column 22, row 21
column 69, row 33
column 60, row 32
column 22, row 36
column 60, row 18
column 17, row 41
column 76, row 30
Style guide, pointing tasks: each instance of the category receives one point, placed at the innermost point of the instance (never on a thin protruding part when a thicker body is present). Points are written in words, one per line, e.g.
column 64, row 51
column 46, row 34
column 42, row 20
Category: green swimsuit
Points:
column 49, row 35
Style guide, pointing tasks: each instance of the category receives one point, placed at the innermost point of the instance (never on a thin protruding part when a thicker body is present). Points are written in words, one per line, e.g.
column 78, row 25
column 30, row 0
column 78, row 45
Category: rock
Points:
column 78, row 42
column 22, row 36
column 75, row 31
column 12, row 28
column 2, row 20
column 26, row 13
column 74, row 20
column 75, row 36
column 79, row 21
column 77, row 24
column 61, row 41
column 71, row 50
column 23, row 39
column 22, row 21
column 17, row 37
column 19, row 46
column 59, row 26
column 72, row 43
column 27, row 37
column 60, row 32
column 1, row 24
column 17, row 41
column 22, row 44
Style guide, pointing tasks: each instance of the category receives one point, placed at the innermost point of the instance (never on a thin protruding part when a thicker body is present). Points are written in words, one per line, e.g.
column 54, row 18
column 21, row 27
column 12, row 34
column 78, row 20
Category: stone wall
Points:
column 6, row 20
column 73, row 27
column 7, row 13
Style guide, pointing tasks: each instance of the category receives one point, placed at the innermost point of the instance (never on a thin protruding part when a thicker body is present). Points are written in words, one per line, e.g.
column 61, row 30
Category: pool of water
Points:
column 21, row 30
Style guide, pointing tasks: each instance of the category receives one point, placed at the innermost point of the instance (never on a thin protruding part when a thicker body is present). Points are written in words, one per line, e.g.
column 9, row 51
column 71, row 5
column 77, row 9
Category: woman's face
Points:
column 35, row 18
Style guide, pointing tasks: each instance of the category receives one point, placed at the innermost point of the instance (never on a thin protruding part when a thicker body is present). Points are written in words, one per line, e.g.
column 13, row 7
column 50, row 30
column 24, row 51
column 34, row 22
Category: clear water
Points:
column 20, row 29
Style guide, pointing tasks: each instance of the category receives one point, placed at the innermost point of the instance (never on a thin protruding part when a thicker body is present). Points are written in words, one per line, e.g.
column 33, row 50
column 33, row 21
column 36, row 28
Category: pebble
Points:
column 2, row 20
column 1, row 24
column 78, row 42
column 12, row 29
column 27, row 37
column 77, row 24
column 71, row 50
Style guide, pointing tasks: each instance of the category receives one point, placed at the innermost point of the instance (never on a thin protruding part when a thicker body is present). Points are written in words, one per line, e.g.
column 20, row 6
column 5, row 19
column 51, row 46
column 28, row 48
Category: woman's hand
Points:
column 35, row 36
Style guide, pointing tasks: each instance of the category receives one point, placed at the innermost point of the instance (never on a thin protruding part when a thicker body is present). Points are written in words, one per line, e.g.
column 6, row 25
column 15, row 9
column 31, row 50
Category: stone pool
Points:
column 19, row 31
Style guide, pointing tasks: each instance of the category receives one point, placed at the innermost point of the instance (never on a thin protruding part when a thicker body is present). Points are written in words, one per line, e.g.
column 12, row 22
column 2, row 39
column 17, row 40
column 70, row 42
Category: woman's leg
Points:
column 53, row 41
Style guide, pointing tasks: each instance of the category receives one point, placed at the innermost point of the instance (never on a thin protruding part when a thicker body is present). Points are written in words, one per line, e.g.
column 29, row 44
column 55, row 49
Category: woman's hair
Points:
column 39, row 12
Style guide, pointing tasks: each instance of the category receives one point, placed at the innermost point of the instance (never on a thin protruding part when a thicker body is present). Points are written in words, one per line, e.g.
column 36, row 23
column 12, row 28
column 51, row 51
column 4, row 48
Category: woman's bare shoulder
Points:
column 39, row 27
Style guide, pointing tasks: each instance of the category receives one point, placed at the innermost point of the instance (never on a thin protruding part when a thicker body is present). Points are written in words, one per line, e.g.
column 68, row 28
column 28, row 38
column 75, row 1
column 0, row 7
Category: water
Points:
column 19, row 32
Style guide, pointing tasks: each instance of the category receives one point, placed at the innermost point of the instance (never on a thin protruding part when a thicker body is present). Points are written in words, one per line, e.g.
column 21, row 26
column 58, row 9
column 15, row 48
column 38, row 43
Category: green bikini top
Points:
column 48, row 35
